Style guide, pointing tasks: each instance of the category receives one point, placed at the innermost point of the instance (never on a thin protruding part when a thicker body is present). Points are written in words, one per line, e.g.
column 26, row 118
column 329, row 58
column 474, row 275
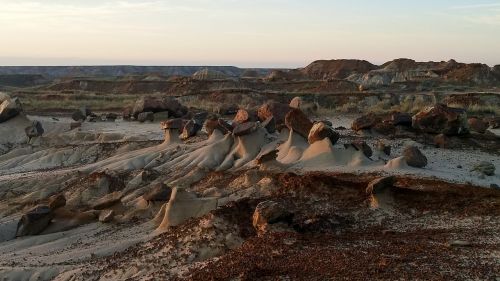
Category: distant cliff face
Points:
column 120, row 70
column 406, row 70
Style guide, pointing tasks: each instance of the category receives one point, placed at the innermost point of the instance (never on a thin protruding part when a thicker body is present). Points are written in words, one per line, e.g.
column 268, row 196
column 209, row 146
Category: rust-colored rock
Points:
column 297, row 121
column 244, row 129
column 172, row 124
column 365, row 122
column 273, row 109
column 414, row 157
column 441, row 119
column 441, row 141
column 477, row 125
column 320, row 131
column 243, row 116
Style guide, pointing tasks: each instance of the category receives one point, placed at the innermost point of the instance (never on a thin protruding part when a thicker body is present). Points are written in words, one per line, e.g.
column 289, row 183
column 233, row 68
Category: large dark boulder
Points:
column 414, row 157
column 274, row 109
column 9, row 108
column 441, row 119
column 34, row 221
column 244, row 129
column 297, row 121
column 366, row 122
column 191, row 128
column 34, row 130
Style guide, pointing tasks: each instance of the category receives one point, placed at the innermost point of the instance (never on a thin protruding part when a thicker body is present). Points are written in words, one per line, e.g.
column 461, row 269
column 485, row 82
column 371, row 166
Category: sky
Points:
column 251, row 33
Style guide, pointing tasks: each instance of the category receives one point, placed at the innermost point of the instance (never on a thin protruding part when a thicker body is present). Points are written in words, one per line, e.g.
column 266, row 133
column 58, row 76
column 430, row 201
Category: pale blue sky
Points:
column 258, row 33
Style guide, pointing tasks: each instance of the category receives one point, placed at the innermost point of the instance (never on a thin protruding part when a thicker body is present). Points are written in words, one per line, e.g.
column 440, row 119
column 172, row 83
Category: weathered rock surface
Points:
column 106, row 216
column 267, row 213
column 146, row 116
column 273, row 109
column 34, row 221
column 269, row 124
column 320, row 131
column 380, row 184
column 57, row 201
column 161, row 192
column 34, row 130
column 414, row 157
column 361, row 145
column 244, row 129
column 190, row 129
column 172, row 124
column 441, row 119
column 243, row 116
column 297, row 121
column 9, row 107
column 477, row 125
column 365, row 122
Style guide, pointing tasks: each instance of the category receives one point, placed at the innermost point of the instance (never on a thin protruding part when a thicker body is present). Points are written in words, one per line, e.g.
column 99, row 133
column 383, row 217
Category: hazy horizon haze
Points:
column 272, row 33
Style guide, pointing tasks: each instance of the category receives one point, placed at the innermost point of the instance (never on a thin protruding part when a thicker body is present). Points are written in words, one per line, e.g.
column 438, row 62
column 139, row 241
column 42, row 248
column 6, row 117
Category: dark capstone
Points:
column 34, row 221
column 269, row 124
column 244, row 129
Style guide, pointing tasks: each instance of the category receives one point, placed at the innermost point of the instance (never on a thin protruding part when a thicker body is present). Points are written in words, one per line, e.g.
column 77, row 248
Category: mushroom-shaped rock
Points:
column 34, row 130
column 441, row 119
column 414, row 157
column 213, row 123
column 269, row 124
column 321, row 131
column 297, row 121
column 190, row 129
column 273, row 109
column 244, row 129
column 34, row 221
column 172, row 124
